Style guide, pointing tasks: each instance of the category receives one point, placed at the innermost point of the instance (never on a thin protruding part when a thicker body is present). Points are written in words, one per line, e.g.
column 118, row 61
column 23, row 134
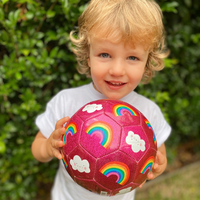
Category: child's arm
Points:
column 44, row 149
column 159, row 165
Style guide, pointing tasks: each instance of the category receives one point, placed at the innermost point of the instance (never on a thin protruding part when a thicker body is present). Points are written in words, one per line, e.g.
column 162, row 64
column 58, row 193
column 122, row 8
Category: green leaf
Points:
column 170, row 7
column 29, row 15
column 4, row 1
column 65, row 3
column 16, row 15
column 4, row 36
column 25, row 52
column 188, row 2
column 50, row 14
column 9, row 23
column 18, row 76
column 39, row 35
column 2, row 147
column 1, row 15
column 18, row 178
column 54, row 52
column 196, row 38
column 39, row 43
column 73, row 1
column 170, row 62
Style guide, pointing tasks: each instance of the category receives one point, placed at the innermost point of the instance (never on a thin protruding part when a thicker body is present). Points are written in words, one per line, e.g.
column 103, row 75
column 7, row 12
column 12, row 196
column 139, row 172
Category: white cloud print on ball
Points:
column 137, row 144
column 92, row 108
column 80, row 165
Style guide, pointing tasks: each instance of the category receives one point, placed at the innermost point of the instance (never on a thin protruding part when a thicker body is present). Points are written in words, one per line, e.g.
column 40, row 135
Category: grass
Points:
column 181, row 185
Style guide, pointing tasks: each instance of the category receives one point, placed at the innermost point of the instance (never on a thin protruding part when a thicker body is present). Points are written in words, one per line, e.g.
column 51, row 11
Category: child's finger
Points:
column 150, row 176
column 140, row 186
column 160, row 159
column 60, row 122
column 58, row 133
column 57, row 144
column 57, row 154
column 155, row 166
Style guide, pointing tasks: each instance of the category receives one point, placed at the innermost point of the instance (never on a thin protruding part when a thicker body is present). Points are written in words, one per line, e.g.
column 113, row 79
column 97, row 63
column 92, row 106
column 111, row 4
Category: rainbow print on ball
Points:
column 147, row 165
column 104, row 130
column 64, row 162
column 119, row 109
column 71, row 128
column 118, row 169
column 150, row 127
column 154, row 139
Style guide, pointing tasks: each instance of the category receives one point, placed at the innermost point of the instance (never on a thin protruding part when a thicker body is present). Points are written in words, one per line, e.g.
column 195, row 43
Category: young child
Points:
column 120, row 43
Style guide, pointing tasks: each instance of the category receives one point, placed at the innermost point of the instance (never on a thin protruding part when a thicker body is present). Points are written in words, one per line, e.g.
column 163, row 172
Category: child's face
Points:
column 116, row 69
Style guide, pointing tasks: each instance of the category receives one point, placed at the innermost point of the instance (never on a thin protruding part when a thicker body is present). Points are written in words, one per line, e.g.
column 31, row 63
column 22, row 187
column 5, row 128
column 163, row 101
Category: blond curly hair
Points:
column 130, row 21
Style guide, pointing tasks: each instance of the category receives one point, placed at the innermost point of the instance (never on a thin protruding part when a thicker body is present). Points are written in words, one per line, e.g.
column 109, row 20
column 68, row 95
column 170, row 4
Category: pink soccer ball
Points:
column 110, row 147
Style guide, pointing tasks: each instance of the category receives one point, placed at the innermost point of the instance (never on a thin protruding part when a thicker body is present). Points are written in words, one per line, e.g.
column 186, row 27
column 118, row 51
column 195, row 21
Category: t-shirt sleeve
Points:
column 160, row 126
column 54, row 111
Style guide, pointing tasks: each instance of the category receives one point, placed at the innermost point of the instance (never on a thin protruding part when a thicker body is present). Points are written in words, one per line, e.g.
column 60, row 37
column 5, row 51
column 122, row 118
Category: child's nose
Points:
column 117, row 68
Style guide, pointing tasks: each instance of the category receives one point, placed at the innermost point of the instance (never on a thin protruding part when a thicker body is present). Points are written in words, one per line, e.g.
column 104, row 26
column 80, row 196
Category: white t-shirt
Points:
column 66, row 103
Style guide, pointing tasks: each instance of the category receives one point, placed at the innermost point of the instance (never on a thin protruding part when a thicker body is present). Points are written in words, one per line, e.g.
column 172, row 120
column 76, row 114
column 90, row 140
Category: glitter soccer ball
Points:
column 109, row 147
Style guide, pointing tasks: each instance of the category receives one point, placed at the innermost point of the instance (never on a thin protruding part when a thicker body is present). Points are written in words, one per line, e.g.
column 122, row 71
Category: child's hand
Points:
column 54, row 142
column 159, row 164
column 158, row 167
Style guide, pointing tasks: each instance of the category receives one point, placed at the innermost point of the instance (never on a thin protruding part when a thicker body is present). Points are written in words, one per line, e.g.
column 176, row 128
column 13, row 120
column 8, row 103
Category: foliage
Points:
column 36, row 62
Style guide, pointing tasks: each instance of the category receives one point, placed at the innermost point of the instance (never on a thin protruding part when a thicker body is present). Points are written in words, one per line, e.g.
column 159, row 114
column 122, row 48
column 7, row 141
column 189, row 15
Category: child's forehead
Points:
column 117, row 37
column 102, row 41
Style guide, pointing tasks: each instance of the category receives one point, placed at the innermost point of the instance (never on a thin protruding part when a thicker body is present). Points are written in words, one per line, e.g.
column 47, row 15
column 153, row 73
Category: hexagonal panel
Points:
column 100, row 136
column 92, row 110
column 134, row 142
column 115, row 170
column 144, row 166
column 122, row 113
column 81, row 164
column 72, row 134
column 93, row 186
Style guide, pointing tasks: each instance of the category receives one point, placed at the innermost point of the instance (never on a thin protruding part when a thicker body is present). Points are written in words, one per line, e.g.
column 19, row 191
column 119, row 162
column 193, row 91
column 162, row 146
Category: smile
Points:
column 115, row 83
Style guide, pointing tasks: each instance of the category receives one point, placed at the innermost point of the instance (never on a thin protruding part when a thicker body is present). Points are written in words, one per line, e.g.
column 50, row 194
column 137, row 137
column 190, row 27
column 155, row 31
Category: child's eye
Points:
column 104, row 55
column 132, row 58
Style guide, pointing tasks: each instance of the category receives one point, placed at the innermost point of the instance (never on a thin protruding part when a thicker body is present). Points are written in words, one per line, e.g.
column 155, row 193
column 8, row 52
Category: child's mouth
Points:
column 116, row 84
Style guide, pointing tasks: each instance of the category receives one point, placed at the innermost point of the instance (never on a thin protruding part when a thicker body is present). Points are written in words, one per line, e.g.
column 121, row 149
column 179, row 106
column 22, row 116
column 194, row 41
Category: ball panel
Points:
column 93, row 186
column 66, row 165
column 91, row 110
column 115, row 170
column 144, row 166
column 81, row 163
column 100, row 136
column 123, row 113
column 134, row 142
column 72, row 134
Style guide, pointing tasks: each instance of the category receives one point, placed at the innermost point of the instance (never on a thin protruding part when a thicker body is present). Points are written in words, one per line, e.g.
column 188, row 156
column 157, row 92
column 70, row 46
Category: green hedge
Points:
column 36, row 62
